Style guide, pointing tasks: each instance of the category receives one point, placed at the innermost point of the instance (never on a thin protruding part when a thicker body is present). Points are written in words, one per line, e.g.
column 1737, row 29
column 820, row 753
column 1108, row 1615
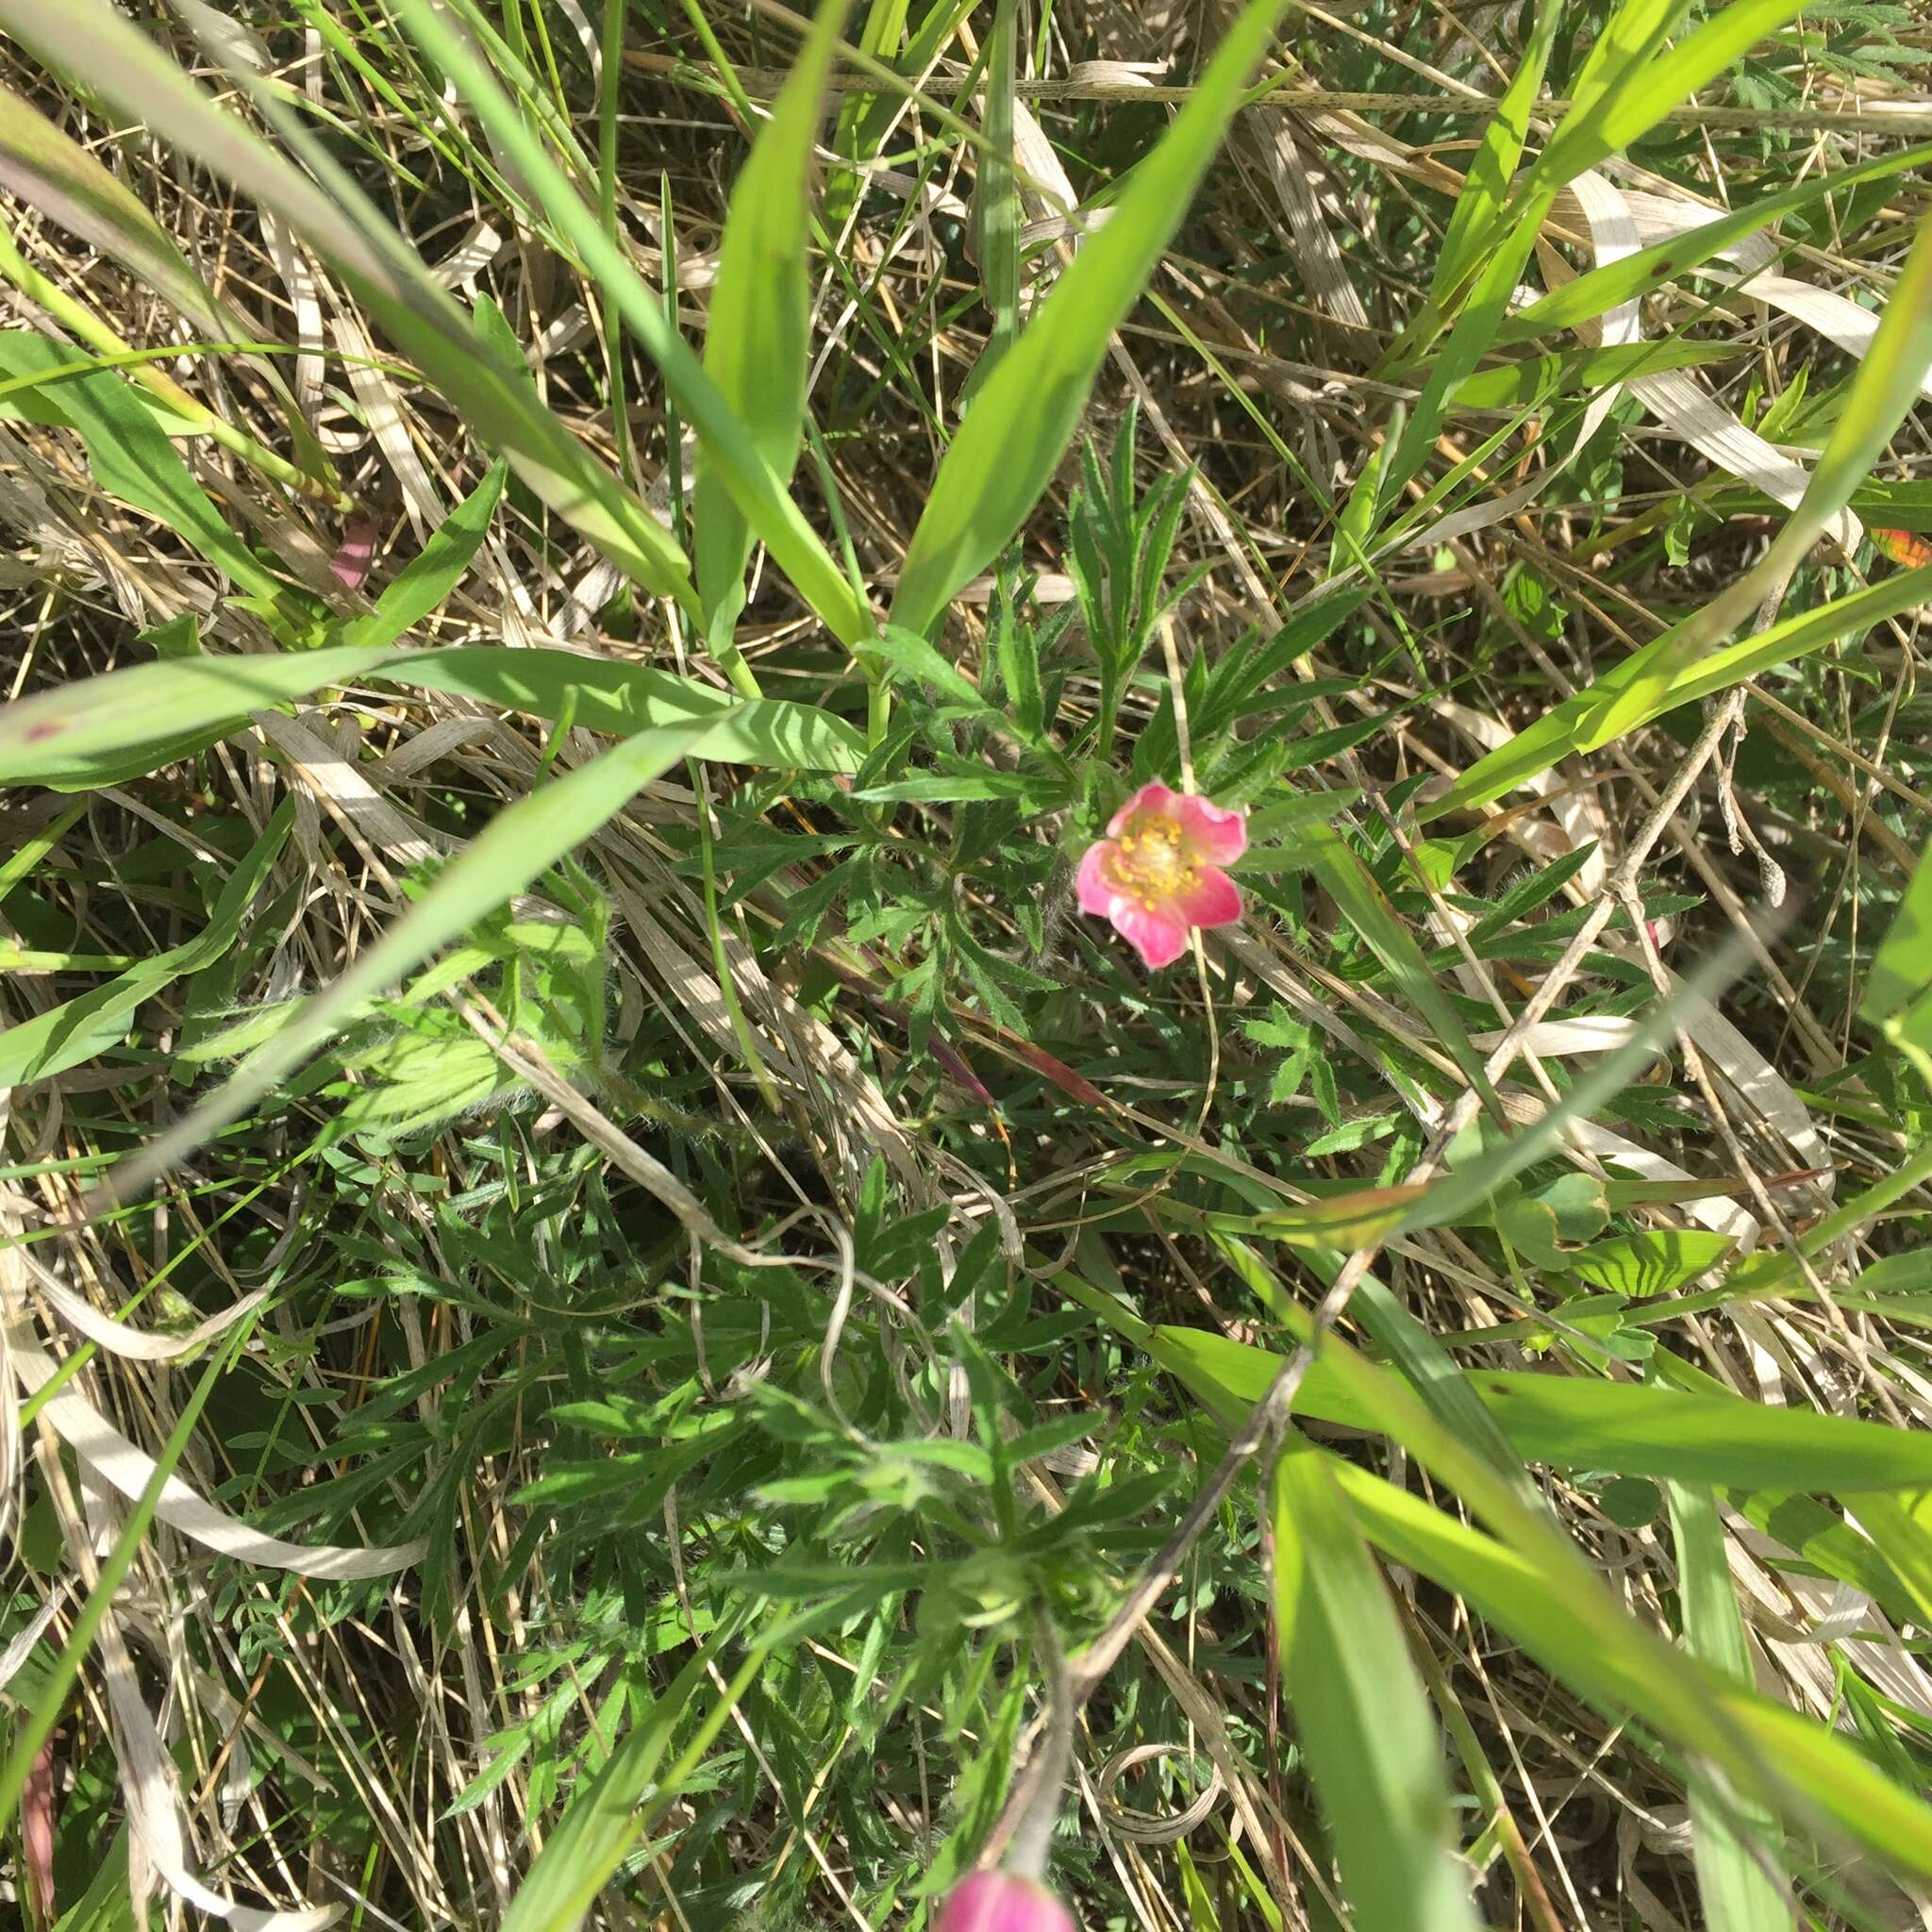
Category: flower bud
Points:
column 1003, row 1902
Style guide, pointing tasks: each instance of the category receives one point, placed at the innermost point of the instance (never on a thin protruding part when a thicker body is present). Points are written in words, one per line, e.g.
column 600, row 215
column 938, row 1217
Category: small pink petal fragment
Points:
column 1002, row 1902
column 1154, row 798
column 351, row 564
column 1158, row 933
column 1213, row 899
column 1157, row 874
column 37, row 1832
column 1095, row 895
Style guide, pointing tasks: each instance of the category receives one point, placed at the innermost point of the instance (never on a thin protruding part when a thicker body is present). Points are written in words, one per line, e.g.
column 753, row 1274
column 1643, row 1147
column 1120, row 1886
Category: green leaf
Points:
column 1361, row 1713
column 726, row 442
column 1622, row 1428
column 67, row 736
column 1898, row 988
column 912, row 655
column 1662, row 676
column 1732, row 1844
column 1599, row 290
column 423, row 584
column 129, row 454
column 77, row 1029
column 490, row 391
column 520, row 843
column 1764, row 1749
column 758, row 344
column 1018, row 426
column 1658, row 1262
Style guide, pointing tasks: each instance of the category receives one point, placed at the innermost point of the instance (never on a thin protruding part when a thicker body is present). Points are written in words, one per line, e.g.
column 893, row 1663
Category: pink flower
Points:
column 351, row 563
column 1158, row 871
column 1002, row 1902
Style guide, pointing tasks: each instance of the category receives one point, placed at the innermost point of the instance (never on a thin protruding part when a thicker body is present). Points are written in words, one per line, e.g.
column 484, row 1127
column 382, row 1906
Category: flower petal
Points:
column 1158, row 933
column 1096, row 893
column 1003, row 1902
column 1216, row 834
column 1154, row 801
column 1213, row 899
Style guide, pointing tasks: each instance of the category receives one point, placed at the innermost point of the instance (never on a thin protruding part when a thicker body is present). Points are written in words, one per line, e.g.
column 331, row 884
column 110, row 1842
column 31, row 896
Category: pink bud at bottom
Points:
column 1003, row 1902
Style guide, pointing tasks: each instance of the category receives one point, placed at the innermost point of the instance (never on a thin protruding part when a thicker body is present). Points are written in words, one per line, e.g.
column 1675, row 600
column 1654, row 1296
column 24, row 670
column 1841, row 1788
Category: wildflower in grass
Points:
column 351, row 563
column 1003, row 1902
column 1157, row 874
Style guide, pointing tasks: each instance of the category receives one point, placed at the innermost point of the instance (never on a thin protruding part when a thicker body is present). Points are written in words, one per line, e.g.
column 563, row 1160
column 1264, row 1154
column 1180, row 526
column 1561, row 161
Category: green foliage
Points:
column 785, row 1269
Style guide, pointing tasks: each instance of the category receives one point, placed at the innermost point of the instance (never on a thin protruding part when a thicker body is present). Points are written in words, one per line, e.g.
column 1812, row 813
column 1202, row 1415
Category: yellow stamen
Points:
column 1152, row 861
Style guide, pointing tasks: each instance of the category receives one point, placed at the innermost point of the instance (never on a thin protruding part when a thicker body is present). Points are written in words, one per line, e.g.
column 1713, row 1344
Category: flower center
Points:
column 1152, row 861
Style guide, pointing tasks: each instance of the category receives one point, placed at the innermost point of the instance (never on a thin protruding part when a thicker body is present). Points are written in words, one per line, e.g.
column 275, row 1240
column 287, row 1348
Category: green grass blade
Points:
column 62, row 736
column 520, row 843
column 489, row 391
column 127, row 451
column 1571, row 1422
column 1353, row 888
column 1620, row 97
column 1599, row 290
column 863, row 117
column 606, row 1816
column 1486, row 187
column 1631, row 102
column 1361, row 1714
column 602, row 695
column 1635, row 33
column 1900, row 1528
column 76, row 1030
column 46, row 168
column 1530, row 1580
column 775, row 519
column 1469, row 342
column 1898, row 988
column 758, row 344
column 422, row 585
column 1887, row 386
column 1536, row 379
column 1572, row 1625
column 68, row 736
column 1731, row 1843
column 1018, row 426
column 996, row 198
column 50, row 1703
column 1662, row 676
